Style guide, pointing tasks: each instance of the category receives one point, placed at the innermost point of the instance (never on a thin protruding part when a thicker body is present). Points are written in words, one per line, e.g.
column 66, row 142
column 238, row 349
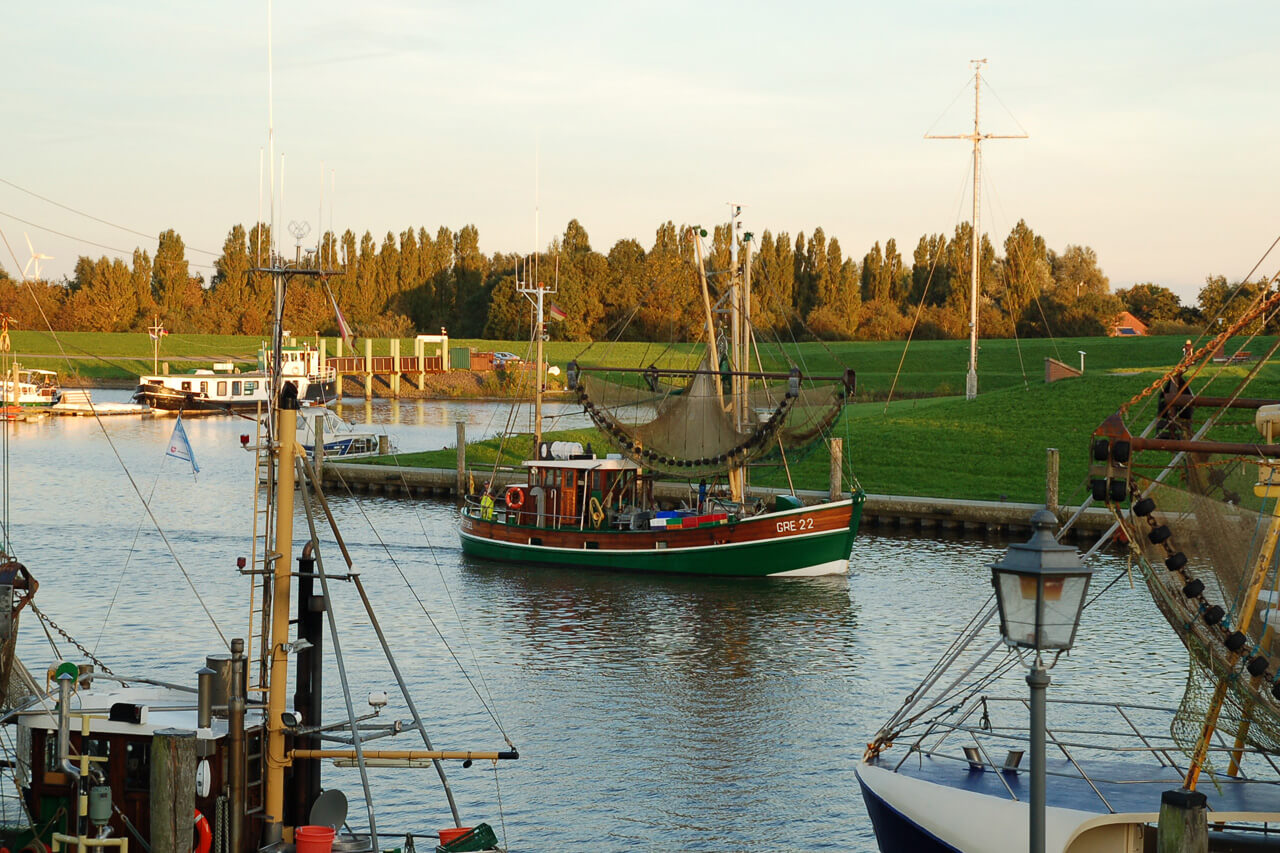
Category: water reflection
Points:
column 651, row 712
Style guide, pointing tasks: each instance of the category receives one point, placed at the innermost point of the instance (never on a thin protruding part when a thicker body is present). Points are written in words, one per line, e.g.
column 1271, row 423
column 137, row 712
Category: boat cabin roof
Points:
column 166, row 708
column 585, row 464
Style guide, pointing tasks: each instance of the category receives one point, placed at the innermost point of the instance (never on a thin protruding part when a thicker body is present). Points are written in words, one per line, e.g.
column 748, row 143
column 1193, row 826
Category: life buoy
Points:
column 204, row 839
column 515, row 497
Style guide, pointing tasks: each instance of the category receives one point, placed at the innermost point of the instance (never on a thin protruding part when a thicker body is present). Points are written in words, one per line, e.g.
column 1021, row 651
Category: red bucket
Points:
column 447, row 835
column 313, row 839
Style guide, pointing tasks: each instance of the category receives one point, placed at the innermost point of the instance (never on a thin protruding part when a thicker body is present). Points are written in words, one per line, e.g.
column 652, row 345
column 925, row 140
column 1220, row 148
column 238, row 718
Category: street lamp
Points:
column 1040, row 589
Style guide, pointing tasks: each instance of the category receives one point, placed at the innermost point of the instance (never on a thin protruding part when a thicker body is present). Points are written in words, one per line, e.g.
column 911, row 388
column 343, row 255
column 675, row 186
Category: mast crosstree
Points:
column 975, row 241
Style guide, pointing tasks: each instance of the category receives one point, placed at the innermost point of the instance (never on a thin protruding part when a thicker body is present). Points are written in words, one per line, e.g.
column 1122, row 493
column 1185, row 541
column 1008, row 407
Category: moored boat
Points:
column 1195, row 494
column 702, row 425
column 224, row 391
column 34, row 388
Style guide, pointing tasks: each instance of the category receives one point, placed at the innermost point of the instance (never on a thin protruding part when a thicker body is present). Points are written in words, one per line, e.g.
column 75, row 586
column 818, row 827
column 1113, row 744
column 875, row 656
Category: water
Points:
column 650, row 712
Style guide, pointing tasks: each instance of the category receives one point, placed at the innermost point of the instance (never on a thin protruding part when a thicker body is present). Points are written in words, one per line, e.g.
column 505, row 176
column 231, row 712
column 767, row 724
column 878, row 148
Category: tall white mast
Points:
column 975, row 238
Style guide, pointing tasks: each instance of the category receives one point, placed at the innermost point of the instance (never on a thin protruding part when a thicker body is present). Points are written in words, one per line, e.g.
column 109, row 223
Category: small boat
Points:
column 1195, row 491
column 224, row 391
column 341, row 440
column 35, row 388
column 700, row 425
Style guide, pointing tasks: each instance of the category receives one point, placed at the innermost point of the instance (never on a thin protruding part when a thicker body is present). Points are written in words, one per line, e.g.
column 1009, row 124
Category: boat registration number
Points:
column 794, row 525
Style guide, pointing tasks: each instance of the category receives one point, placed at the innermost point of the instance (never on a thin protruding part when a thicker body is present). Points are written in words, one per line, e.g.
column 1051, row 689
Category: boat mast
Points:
column 713, row 350
column 536, row 293
column 737, row 355
column 975, row 241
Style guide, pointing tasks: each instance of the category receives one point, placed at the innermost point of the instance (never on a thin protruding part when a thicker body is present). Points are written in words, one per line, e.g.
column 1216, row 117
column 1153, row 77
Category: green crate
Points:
column 480, row 838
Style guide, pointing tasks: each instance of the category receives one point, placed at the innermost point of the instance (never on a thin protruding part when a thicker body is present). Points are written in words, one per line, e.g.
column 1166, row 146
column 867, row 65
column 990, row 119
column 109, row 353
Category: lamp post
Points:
column 1040, row 588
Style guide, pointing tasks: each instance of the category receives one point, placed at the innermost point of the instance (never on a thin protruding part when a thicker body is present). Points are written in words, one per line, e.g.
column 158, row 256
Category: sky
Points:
column 1151, row 127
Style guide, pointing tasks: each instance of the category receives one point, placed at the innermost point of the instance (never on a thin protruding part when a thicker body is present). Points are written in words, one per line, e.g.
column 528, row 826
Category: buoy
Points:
column 204, row 835
column 515, row 497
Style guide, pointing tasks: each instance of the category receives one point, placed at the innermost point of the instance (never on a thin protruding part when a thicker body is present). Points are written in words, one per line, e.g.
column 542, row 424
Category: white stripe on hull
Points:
column 834, row 567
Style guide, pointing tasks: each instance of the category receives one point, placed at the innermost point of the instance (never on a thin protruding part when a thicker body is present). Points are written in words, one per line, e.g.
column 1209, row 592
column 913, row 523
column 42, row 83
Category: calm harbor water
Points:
column 651, row 713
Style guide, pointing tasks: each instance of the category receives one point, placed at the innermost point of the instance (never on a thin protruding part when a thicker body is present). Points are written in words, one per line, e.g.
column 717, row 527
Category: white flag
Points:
column 180, row 446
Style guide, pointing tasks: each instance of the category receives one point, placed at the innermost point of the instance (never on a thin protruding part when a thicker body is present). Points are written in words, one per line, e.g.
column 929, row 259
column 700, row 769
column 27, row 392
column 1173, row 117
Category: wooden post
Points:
column 1051, row 480
column 395, row 367
column 462, row 459
column 368, row 368
column 420, row 350
column 384, row 444
column 837, row 468
column 1183, row 826
column 173, row 790
column 338, row 347
column 323, row 348
column 317, row 454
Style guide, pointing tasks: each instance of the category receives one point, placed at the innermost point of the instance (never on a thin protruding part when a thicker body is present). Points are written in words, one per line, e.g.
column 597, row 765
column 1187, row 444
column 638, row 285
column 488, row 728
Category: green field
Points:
column 927, row 441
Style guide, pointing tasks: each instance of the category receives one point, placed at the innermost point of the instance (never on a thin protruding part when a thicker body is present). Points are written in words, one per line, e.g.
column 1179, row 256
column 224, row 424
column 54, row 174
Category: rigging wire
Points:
column 91, row 216
column 125, row 468
column 81, row 240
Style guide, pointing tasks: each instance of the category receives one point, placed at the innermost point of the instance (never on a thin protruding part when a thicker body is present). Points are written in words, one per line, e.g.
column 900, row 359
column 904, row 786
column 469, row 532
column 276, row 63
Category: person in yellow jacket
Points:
column 486, row 503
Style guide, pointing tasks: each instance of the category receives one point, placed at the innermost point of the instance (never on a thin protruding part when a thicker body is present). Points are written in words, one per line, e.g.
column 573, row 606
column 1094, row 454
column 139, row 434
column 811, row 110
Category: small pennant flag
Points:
column 343, row 329
column 556, row 312
column 180, row 446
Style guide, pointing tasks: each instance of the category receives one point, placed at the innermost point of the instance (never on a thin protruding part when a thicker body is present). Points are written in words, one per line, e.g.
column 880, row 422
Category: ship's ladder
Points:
column 259, row 569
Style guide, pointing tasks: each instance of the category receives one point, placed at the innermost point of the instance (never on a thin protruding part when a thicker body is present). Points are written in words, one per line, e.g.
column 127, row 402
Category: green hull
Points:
column 825, row 553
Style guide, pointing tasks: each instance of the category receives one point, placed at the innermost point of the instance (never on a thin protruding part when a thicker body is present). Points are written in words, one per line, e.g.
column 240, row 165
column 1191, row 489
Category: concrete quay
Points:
column 881, row 512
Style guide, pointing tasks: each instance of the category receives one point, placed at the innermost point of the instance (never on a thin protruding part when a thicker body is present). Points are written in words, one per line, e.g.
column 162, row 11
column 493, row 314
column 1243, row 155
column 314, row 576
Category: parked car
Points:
column 502, row 359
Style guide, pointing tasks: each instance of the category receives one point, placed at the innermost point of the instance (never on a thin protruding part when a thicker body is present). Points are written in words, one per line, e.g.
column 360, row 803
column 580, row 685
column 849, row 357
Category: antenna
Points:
column 975, row 248
column 34, row 260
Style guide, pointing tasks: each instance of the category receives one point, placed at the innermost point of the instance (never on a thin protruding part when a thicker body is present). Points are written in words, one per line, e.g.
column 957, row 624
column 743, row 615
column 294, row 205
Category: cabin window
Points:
column 250, row 387
column 97, row 747
column 235, row 389
column 222, row 389
column 204, row 387
column 137, row 765
column 186, row 386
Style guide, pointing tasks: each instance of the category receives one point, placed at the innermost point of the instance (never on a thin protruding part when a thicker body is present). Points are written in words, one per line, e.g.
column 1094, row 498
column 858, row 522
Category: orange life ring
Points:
column 515, row 497
column 205, row 839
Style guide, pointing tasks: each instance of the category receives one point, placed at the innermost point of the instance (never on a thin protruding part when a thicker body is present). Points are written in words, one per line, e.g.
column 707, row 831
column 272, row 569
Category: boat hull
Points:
column 165, row 399
column 808, row 541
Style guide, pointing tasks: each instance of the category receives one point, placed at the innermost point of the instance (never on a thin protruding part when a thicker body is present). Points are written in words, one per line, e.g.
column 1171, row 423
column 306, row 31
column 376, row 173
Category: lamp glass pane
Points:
column 1017, row 595
column 1062, row 600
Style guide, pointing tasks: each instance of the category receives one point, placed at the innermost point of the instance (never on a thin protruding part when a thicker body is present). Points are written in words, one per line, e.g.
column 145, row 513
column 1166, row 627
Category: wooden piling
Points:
column 837, row 468
column 317, row 454
column 462, row 458
column 1183, row 826
column 1051, row 480
column 395, row 368
column 368, row 368
column 420, row 352
column 173, row 790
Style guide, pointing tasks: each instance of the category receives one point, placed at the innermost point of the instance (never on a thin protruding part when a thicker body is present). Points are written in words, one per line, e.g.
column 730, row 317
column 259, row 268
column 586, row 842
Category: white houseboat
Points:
column 227, row 391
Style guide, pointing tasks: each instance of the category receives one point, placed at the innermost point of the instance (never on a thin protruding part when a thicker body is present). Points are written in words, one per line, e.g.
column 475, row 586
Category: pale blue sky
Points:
column 1151, row 125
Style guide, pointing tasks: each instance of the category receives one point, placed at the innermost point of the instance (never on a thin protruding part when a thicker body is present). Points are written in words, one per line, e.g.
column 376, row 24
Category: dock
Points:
column 944, row 516
column 78, row 403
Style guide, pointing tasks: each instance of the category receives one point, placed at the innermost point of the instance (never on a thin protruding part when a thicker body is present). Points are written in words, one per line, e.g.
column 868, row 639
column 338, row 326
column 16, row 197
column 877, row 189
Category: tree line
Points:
column 804, row 287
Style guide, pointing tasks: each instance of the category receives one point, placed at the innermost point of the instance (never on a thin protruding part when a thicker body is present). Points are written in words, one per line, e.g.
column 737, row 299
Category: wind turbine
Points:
column 36, row 258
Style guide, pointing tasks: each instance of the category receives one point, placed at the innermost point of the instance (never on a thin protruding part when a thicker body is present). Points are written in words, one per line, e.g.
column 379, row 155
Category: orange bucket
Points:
column 447, row 835
column 313, row 839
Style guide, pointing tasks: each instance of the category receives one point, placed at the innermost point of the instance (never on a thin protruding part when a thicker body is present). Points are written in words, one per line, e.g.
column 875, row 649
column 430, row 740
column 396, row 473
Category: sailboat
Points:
column 699, row 427
column 1190, row 468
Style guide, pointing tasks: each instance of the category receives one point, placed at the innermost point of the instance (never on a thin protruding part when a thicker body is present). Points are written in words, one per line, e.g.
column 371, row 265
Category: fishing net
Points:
column 1204, row 539
column 686, row 422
